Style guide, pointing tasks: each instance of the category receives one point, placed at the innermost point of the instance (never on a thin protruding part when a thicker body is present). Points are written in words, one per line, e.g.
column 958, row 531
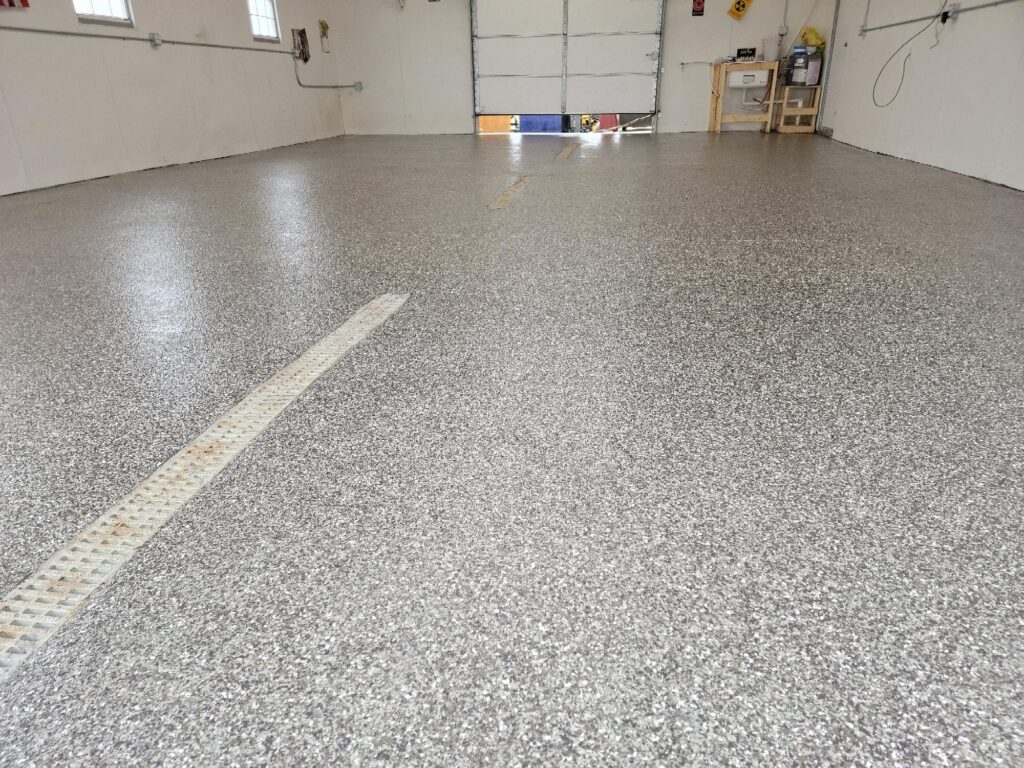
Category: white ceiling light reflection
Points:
column 156, row 271
column 515, row 149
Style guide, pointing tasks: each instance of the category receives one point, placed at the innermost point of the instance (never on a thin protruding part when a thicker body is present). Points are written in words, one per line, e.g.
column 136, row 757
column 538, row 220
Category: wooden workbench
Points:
column 719, row 75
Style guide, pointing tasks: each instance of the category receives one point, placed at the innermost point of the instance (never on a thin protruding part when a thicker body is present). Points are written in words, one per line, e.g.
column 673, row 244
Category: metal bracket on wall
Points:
column 474, row 41
column 656, row 96
column 565, row 54
column 864, row 28
column 830, row 51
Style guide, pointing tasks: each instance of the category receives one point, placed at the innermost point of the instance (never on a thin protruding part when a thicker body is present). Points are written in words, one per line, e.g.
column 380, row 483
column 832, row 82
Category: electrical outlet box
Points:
column 756, row 79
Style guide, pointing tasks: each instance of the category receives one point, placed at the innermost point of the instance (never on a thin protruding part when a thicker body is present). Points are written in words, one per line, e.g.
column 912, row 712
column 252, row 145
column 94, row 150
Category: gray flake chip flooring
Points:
column 637, row 476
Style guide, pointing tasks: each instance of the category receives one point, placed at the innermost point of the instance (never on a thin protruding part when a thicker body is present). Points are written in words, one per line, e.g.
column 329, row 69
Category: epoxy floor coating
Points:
column 702, row 450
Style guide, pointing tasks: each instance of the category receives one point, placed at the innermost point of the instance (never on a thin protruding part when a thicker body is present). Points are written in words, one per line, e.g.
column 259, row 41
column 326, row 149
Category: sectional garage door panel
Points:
column 617, row 93
column 600, row 54
column 519, row 96
column 611, row 16
column 519, row 56
column 524, row 38
column 518, row 17
column 566, row 56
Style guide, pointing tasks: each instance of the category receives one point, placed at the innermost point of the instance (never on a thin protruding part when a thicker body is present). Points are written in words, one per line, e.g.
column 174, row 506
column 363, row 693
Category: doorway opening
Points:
column 560, row 60
column 605, row 122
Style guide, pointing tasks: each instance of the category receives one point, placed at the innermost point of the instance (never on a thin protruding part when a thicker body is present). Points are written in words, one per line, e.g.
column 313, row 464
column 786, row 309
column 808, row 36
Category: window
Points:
column 263, row 17
column 104, row 10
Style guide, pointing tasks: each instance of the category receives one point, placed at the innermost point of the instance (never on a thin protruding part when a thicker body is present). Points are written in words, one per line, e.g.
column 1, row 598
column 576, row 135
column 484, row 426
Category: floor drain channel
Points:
column 34, row 610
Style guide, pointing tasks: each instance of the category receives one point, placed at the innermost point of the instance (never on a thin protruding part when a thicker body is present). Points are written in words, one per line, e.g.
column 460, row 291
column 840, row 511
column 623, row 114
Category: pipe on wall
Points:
column 156, row 41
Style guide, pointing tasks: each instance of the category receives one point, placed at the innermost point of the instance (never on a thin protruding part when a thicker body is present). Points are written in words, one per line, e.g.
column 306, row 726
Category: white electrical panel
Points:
column 758, row 78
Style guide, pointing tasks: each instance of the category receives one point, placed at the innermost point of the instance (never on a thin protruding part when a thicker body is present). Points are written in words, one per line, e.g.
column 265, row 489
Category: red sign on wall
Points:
column 698, row 7
column 13, row 3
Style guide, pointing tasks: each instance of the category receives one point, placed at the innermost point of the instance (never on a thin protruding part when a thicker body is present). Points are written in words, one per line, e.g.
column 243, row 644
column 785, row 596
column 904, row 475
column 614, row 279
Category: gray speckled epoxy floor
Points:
column 637, row 476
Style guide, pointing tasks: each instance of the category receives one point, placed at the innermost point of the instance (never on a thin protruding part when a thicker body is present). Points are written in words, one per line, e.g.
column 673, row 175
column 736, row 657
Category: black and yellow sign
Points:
column 738, row 8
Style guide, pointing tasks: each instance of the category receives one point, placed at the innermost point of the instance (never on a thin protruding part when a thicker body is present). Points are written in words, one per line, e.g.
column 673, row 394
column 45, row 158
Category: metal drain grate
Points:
column 36, row 608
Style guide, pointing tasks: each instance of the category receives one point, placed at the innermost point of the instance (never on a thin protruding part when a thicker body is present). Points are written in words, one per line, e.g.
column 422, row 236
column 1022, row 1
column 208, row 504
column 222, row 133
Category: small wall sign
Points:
column 738, row 8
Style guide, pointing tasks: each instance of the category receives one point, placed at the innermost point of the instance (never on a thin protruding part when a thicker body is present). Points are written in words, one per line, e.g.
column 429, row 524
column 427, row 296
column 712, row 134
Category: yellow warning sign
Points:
column 738, row 8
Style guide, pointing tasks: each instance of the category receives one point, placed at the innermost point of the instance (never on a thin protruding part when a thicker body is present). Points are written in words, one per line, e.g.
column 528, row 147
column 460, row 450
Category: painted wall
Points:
column 961, row 106
column 416, row 63
column 73, row 109
column 692, row 42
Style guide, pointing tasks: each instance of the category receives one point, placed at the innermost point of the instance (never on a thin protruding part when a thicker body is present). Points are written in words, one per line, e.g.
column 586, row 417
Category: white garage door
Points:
column 566, row 56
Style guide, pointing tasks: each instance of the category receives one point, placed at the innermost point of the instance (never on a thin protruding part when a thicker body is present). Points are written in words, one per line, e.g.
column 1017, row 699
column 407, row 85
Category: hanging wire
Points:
column 903, row 70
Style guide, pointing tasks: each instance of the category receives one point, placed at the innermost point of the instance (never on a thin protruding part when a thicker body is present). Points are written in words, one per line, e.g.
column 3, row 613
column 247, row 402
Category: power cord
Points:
column 943, row 18
column 939, row 14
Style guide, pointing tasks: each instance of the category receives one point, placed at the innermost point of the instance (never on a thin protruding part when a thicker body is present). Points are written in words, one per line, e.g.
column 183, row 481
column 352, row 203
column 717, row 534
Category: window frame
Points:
column 89, row 18
column 277, row 24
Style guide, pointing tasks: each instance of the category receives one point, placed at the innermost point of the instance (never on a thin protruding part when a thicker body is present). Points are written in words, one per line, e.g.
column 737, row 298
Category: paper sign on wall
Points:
column 698, row 7
column 738, row 8
column 325, row 36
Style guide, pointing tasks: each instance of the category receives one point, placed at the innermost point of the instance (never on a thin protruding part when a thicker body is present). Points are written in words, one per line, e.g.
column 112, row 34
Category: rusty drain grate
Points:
column 40, row 605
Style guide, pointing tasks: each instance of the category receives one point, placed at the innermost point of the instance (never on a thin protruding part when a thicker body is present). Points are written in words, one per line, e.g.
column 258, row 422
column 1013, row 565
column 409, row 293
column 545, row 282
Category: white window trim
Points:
column 277, row 25
column 86, row 18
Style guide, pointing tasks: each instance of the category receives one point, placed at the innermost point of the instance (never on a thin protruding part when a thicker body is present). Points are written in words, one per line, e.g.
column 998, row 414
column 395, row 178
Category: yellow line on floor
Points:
column 565, row 153
column 38, row 607
column 509, row 194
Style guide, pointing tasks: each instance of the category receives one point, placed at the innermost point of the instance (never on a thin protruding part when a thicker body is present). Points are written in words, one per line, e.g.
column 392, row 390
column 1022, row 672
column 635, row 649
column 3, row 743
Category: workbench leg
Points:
column 720, row 106
column 774, row 77
column 713, row 106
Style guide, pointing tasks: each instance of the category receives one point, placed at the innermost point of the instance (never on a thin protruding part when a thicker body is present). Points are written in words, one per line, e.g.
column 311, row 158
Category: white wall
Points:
column 962, row 103
column 73, row 109
column 686, row 87
column 416, row 64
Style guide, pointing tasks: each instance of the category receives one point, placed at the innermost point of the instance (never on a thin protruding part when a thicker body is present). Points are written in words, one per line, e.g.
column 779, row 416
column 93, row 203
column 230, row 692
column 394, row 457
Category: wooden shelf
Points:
column 799, row 112
column 719, row 76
